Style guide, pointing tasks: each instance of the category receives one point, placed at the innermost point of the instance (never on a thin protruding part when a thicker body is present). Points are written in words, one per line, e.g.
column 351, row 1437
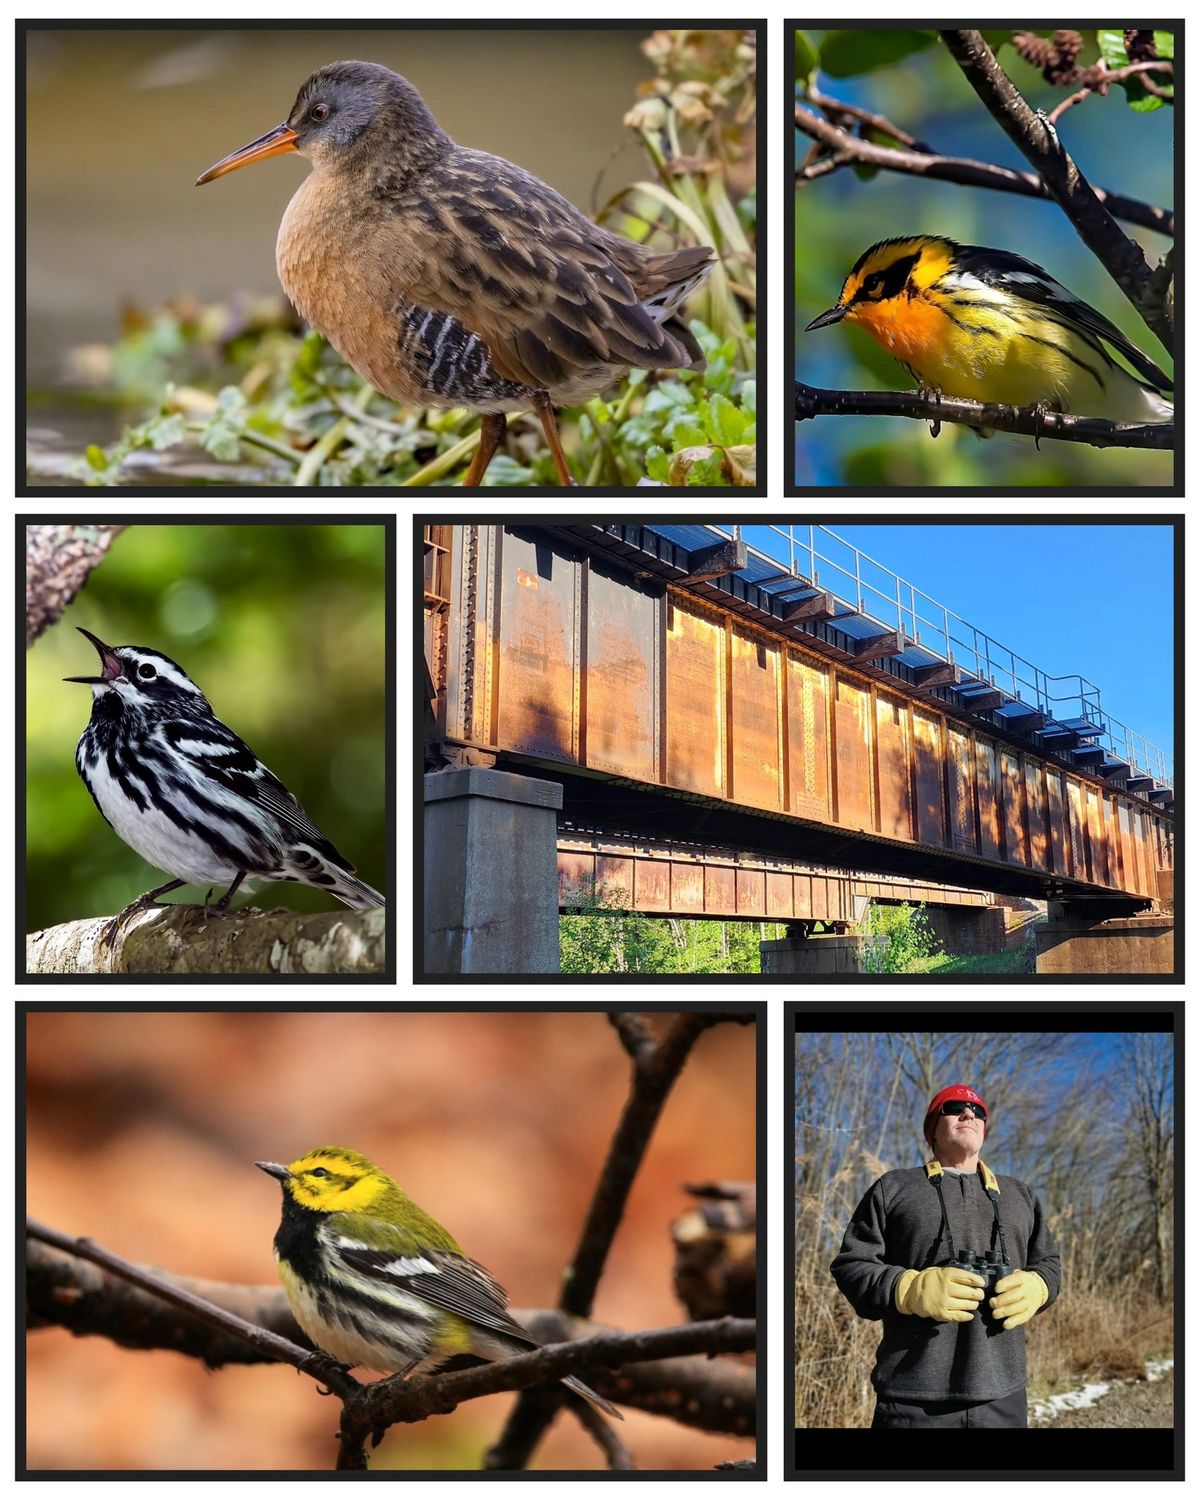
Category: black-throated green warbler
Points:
column 375, row 1281
column 990, row 326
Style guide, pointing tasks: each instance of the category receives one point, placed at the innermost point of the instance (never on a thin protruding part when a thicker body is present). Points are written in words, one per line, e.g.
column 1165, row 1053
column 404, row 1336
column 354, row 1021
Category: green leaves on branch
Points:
column 1114, row 52
column 846, row 54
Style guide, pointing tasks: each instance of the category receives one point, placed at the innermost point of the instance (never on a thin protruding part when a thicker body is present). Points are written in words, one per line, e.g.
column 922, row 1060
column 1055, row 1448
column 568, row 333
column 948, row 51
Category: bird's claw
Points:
column 932, row 396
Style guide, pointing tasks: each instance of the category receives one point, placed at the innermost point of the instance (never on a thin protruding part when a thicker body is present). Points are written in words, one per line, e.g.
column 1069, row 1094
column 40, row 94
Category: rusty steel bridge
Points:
column 681, row 686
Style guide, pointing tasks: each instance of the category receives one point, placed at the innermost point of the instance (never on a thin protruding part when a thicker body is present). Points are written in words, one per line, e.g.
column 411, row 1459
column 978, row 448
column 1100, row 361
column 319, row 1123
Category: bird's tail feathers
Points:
column 573, row 1383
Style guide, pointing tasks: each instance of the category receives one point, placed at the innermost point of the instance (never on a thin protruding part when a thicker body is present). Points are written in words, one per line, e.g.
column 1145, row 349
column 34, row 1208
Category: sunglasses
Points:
column 957, row 1106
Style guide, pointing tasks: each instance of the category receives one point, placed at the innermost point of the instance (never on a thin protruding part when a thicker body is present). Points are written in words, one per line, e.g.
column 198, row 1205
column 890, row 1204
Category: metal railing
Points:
column 874, row 591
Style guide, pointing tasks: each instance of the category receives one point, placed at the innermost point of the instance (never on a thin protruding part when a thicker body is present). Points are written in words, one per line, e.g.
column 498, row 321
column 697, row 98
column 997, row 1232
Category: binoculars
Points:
column 986, row 1263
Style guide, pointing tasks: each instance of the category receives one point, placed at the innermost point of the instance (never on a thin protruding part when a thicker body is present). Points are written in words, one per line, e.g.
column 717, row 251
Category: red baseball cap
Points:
column 955, row 1091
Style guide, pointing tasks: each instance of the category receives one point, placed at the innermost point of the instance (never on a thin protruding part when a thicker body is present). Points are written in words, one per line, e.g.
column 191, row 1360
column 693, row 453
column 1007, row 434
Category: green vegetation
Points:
column 602, row 937
column 282, row 628
column 897, row 940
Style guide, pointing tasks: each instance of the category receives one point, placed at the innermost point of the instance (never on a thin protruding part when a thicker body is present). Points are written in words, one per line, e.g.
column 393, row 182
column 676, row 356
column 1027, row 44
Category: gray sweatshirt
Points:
column 897, row 1227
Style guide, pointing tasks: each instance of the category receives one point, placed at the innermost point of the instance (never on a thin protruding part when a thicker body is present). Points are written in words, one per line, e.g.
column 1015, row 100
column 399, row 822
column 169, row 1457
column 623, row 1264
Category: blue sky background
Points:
column 1092, row 600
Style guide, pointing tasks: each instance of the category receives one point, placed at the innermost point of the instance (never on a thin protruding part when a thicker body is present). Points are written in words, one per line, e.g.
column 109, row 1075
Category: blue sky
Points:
column 1093, row 600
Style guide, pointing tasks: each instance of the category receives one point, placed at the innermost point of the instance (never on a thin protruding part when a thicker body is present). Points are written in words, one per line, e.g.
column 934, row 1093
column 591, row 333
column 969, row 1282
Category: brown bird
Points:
column 450, row 277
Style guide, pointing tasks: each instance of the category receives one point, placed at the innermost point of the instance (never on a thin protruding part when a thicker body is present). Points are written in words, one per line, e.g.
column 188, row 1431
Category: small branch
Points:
column 1039, row 142
column 879, row 123
column 268, row 1345
column 189, row 940
column 655, row 1070
column 1107, row 77
column 608, row 1440
column 850, row 150
column 812, row 401
column 58, row 562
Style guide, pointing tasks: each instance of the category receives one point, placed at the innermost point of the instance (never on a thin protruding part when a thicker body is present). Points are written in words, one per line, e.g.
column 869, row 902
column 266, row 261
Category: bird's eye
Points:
column 319, row 112
column 318, row 1172
column 146, row 672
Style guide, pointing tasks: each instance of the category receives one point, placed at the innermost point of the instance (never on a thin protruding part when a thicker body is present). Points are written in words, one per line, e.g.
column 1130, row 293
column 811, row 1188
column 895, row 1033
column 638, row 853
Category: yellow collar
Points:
column 933, row 1170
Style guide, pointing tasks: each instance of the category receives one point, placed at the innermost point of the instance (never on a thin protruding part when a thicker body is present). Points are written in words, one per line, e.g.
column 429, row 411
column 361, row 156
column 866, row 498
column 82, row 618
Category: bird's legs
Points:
column 491, row 433
column 223, row 903
column 143, row 903
column 541, row 404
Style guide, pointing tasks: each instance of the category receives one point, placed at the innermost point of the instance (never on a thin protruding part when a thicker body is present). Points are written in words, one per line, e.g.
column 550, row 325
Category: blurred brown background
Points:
column 142, row 1133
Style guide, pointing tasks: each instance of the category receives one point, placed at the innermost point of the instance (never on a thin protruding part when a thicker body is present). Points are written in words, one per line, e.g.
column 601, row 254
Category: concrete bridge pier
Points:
column 804, row 951
column 968, row 930
column 1074, row 940
column 491, row 873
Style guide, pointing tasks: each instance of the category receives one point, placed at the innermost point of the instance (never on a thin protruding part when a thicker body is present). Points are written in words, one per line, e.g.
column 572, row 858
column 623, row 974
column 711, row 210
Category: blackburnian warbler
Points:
column 375, row 1281
column 990, row 326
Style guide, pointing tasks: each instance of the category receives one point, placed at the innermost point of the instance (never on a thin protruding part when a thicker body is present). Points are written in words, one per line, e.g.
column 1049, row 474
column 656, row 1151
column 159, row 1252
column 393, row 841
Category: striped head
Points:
column 886, row 278
column 141, row 678
column 332, row 1180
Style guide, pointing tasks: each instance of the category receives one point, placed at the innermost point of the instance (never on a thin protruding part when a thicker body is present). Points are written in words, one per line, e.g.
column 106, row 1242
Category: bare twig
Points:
column 608, row 1439
column 850, row 150
column 269, row 1345
column 878, row 123
column 1039, row 143
column 812, row 401
column 1107, row 77
column 655, row 1071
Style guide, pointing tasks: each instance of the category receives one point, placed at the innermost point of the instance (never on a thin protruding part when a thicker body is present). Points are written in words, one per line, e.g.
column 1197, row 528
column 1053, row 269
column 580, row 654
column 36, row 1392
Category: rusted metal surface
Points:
column 556, row 655
column 661, row 878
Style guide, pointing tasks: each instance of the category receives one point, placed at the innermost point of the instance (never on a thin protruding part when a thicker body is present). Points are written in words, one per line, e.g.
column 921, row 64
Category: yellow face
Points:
column 335, row 1181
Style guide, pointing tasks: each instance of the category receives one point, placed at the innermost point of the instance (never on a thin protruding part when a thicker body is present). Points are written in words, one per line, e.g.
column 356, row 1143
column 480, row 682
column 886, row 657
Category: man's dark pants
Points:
column 1009, row 1411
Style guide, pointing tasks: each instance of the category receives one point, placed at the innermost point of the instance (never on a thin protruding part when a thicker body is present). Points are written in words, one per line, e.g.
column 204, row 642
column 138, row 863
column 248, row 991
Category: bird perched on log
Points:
column 451, row 277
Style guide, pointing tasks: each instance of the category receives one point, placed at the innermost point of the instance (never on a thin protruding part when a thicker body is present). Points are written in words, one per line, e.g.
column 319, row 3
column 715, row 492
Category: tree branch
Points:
column 189, row 940
column 655, row 1070
column 58, row 561
column 75, row 1285
column 1039, row 142
column 268, row 1345
column 812, row 401
column 851, row 150
column 386, row 1402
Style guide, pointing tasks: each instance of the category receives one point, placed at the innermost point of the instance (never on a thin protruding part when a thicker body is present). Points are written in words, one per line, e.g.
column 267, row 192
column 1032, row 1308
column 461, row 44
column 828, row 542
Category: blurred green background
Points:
column 839, row 215
column 282, row 629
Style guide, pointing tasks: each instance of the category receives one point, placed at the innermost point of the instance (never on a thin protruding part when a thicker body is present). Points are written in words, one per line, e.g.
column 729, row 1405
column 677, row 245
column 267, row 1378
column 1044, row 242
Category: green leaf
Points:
column 726, row 425
column 658, row 465
column 808, row 59
column 846, row 54
column 1137, row 96
column 164, row 432
column 96, row 456
column 504, row 470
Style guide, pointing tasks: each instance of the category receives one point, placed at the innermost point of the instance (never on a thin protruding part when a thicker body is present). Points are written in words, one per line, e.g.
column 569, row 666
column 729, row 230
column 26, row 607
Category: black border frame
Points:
column 1148, row 493
column 1091, row 1453
column 389, row 525
column 762, row 1024
column 24, row 491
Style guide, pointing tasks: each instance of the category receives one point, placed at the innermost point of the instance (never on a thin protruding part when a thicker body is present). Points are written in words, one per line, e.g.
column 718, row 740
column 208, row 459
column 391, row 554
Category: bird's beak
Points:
column 108, row 657
column 274, row 1169
column 274, row 143
column 834, row 315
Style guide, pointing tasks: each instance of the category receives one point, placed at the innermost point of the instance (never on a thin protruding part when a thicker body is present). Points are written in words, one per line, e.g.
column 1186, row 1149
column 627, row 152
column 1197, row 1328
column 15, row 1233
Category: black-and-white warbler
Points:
column 189, row 795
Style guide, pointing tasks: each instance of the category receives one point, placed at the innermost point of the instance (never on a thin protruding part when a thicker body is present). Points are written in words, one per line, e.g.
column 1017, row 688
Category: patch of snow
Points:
column 1088, row 1395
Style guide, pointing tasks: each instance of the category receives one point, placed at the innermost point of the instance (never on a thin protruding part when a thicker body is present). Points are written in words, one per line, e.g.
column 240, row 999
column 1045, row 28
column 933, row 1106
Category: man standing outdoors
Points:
column 953, row 1347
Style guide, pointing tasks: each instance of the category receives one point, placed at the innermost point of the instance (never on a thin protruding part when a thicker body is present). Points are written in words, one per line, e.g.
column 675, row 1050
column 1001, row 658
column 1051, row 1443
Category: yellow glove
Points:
column 948, row 1294
column 1018, row 1297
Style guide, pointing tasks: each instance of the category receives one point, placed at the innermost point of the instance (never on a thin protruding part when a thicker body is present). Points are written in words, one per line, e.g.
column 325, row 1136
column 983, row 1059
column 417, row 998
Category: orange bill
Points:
column 274, row 143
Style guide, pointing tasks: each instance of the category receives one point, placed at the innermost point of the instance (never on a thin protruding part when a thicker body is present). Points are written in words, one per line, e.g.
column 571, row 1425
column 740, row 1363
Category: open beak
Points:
column 109, row 660
column 274, row 143
column 834, row 315
column 274, row 1169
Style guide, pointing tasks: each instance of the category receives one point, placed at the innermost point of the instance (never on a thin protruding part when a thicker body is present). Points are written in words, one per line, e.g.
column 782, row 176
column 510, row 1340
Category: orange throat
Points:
column 909, row 328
